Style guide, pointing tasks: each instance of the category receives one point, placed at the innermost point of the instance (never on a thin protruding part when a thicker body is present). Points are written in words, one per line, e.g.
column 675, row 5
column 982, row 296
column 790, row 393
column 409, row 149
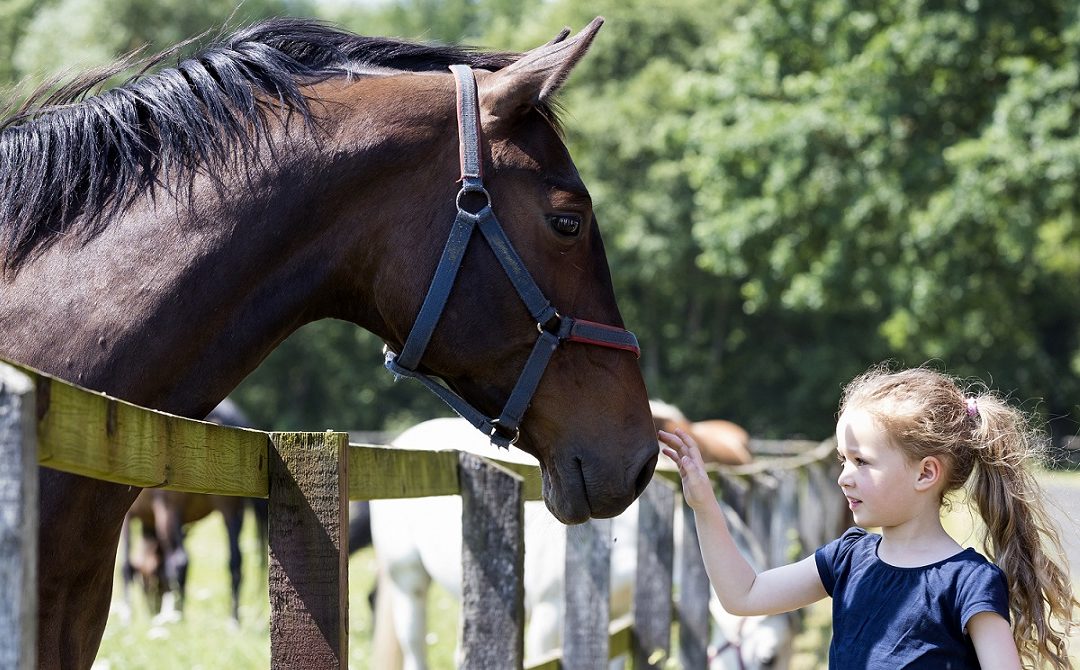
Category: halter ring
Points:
column 495, row 429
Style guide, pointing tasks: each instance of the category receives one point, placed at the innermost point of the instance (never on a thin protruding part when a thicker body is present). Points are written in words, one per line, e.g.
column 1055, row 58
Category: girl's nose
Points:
column 844, row 480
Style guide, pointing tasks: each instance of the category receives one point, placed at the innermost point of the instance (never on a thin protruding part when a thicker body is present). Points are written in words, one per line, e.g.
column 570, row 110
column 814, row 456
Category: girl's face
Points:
column 876, row 477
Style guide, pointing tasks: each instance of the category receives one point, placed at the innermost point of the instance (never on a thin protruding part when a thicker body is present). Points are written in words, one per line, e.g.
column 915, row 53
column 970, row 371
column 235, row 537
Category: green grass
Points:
column 207, row 639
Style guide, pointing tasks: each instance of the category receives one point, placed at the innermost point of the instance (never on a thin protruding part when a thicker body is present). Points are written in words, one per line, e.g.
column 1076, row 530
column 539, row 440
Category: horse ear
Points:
column 559, row 38
column 537, row 75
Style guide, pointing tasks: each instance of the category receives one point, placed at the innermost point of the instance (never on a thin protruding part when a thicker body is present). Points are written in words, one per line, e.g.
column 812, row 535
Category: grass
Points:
column 207, row 639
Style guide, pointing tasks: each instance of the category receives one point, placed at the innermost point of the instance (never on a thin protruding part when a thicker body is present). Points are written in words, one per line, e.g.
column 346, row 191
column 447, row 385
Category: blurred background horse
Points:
column 721, row 441
column 160, row 560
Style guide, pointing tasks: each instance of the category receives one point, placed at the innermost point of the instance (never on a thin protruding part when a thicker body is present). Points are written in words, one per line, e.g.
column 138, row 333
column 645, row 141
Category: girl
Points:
column 912, row 597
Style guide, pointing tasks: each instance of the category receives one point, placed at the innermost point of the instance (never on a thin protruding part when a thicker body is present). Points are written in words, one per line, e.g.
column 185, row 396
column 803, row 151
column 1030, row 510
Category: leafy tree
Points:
column 841, row 183
column 13, row 17
column 58, row 35
column 789, row 191
column 798, row 189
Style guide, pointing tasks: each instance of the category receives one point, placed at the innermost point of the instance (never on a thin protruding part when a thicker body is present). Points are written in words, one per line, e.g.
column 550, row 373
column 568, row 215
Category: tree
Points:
column 789, row 191
column 842, row 182
column 59, row 35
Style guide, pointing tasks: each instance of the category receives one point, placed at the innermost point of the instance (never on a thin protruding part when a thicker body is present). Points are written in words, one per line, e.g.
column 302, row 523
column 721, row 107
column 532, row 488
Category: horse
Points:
column 161, row 562
column 417, row 541
column 720, row 441
column 161, row 237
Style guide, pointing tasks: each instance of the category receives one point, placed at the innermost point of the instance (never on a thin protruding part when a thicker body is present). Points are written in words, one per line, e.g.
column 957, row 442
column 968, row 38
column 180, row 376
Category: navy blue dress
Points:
column 890, row 617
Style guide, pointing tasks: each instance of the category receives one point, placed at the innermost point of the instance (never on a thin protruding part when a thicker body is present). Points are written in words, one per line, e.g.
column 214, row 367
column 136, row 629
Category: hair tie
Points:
column 972, row 407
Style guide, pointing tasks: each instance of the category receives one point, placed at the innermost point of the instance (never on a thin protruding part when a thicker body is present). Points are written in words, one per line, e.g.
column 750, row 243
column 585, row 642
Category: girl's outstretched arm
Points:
column 740, row 589
column 993, row 640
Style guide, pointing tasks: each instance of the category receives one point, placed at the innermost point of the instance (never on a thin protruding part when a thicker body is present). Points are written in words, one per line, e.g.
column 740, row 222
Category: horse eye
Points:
column 565, row 224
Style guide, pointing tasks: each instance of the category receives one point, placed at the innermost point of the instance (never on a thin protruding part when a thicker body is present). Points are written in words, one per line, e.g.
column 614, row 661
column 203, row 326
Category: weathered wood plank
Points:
column 384, row 472
column 652, row 595
column 18, row 521
column 91, row 434
column 379, row 472
column 309, row 576
column 692, row 608
column 620, row 635
column 531, row 485
column 587, row 595
column 493, row 566
column 785, row 546
column 619, row 631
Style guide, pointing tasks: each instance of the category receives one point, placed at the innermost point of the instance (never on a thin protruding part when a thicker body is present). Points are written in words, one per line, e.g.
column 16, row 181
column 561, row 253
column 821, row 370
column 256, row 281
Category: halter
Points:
column 554, row 328
column 735, row 646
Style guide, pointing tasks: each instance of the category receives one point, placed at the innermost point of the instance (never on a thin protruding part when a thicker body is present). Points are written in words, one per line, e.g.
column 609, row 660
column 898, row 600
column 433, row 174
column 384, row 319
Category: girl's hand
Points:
column 681, row 448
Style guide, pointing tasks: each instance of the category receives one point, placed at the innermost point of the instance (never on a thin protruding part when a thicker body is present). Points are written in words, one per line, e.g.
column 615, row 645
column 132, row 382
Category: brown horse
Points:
column 161, row 559
column 720, row 441
column 162, row 237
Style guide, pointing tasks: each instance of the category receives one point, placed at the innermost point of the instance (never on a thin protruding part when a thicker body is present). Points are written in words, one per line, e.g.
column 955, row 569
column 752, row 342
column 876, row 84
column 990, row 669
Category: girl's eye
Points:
column 565, row 224
column 857, row 461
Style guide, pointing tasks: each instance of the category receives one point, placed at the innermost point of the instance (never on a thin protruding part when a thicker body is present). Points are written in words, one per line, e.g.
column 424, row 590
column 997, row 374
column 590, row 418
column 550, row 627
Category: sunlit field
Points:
column 207, row 639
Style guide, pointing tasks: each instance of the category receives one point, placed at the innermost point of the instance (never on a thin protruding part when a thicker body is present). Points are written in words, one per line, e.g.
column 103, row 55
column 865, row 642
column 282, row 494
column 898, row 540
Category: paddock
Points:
column 309, row 477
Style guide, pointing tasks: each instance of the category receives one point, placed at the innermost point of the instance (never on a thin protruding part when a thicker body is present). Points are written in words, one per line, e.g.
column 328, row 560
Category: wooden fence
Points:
column 309, row 478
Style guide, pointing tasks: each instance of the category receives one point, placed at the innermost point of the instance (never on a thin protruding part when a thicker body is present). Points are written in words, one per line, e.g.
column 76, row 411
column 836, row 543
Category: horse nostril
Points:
column 645, row 476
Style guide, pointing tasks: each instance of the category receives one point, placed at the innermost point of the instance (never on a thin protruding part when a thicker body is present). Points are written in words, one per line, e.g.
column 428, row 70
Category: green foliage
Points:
column 807, row 188
column 790, row 190
column 58, row 35
column 329, row 375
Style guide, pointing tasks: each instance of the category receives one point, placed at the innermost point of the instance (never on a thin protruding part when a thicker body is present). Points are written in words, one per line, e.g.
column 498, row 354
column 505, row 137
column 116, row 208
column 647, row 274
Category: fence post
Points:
column 693, row 606
column 652, row 595
column 587, row 595
column 493, row 565
column 18, row 521
column 309, row 577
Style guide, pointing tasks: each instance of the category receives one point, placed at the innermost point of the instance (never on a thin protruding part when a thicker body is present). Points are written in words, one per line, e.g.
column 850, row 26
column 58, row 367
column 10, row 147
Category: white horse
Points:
column 418, row 540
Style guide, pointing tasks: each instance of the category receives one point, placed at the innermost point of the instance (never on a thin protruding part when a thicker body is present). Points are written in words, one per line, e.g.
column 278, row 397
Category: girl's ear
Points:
column 931, row 472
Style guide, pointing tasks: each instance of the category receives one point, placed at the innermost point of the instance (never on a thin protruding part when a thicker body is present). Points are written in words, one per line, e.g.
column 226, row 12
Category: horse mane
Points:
column 78, row 156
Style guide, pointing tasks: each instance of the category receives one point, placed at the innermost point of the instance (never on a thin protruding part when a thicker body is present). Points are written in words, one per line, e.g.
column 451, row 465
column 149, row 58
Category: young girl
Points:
column 912, row 597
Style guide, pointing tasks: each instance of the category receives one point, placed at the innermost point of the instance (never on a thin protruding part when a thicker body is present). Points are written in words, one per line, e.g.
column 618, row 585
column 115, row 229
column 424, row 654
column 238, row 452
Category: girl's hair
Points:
column 928, row 413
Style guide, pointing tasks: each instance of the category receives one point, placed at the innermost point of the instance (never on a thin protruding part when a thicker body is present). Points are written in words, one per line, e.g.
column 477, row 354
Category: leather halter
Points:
column 554, row 328
column 735, row 646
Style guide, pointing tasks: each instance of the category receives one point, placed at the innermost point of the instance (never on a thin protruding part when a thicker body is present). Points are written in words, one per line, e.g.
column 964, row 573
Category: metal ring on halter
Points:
column 469, row 188
column 495, row 429
column 540, row 326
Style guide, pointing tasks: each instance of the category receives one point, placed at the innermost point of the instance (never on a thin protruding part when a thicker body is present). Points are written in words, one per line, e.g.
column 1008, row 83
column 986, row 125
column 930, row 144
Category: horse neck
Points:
column 174, row 303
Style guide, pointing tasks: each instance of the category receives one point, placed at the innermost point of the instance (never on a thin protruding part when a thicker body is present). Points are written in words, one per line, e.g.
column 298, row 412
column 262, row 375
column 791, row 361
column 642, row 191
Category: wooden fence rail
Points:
column 309, row 478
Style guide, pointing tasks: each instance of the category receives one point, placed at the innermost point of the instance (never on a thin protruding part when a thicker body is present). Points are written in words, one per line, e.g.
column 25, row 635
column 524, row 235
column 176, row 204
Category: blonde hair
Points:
column 929, row 413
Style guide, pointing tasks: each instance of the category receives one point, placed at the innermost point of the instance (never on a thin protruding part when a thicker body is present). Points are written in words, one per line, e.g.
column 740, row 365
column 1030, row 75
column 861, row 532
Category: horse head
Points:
column 587, row 420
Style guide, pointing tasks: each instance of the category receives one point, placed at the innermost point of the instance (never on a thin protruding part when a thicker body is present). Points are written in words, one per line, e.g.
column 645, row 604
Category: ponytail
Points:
column 1019, row 532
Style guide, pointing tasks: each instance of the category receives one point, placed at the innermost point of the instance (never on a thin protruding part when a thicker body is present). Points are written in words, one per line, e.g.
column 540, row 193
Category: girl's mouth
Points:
column 853, row 502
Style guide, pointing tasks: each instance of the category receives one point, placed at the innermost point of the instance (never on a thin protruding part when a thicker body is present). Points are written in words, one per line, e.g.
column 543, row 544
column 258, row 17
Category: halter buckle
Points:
column 495, row 425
